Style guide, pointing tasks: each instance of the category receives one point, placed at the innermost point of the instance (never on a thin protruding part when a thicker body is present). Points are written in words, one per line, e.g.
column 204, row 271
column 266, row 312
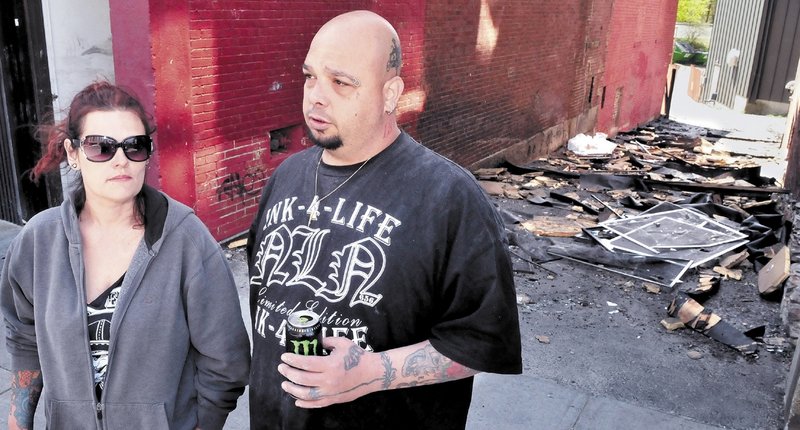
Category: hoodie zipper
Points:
column 82, row 295
column 99, row 407
column 114, row 323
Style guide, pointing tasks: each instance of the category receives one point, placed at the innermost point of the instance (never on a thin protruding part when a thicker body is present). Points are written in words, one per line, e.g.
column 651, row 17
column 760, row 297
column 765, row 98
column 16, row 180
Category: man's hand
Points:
column 342, row 376
column 350, row 372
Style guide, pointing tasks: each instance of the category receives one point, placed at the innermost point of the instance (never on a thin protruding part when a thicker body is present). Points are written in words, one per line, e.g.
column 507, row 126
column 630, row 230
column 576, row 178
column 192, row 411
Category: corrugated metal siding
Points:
column 780, row 51
column 736, row 26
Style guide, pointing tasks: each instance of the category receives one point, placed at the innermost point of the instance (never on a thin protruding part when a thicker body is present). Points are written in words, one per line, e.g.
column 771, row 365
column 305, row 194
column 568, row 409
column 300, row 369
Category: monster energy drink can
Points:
column 304, row 333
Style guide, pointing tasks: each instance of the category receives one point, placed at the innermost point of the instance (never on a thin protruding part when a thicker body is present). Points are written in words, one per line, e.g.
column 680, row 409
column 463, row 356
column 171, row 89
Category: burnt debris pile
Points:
column 686, row 211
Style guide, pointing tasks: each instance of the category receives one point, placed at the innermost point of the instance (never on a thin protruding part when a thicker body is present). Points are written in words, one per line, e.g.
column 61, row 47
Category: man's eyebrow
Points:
column 339, row 73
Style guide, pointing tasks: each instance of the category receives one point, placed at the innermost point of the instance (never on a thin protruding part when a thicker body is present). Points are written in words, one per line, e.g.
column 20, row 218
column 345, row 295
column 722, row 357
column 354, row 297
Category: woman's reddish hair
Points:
column 97, row 96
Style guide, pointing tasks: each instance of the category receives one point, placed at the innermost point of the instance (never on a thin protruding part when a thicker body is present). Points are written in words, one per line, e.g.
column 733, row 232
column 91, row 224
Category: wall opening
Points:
column 603, row 97
column 285, row 141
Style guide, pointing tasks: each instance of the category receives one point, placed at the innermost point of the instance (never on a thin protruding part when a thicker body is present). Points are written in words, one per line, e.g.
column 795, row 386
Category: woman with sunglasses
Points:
column 120, row 307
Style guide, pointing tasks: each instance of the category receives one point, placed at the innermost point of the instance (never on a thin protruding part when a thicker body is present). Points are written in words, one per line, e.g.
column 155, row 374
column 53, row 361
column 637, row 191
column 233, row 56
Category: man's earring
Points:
column 74, row 166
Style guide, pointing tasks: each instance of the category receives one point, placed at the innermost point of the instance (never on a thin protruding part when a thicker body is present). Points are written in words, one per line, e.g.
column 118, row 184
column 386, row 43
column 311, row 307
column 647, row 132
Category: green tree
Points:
column 696, row 11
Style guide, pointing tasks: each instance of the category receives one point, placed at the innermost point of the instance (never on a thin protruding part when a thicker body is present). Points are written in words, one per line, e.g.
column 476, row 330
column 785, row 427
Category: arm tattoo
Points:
column 428, row 366
column 353, row 357
column 26, row 387
column 426, row 361
column 389, row 372
column 352, row 360
column 314, row 393
column 395, row 57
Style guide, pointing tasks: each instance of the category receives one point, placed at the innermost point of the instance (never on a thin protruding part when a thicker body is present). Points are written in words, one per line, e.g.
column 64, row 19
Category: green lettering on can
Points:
column 305, row 347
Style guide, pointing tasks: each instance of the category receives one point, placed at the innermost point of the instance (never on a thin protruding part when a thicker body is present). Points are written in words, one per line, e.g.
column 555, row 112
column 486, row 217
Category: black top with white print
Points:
column 99, row 312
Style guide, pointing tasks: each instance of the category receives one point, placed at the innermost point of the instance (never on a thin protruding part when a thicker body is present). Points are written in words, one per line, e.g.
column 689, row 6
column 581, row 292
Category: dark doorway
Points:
column 778, row 51
column 25, row 99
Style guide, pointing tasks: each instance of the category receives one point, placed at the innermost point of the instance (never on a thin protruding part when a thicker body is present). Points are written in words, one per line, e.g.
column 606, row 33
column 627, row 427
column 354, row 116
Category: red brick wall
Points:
column 480, row 76
column 639, row 52
column 152, row 59
column 533, row 71
column 246, row 82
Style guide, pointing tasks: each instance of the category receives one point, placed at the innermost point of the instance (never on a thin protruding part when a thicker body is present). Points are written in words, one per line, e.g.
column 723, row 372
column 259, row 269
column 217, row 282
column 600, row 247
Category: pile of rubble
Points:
column 675, row 207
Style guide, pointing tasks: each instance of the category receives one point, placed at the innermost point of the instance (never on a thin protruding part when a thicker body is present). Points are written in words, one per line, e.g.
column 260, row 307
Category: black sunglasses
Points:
column 103, row 148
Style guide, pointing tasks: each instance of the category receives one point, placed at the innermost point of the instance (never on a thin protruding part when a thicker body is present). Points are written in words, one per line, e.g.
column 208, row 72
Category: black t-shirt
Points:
column 99, row 313
column 408, row 249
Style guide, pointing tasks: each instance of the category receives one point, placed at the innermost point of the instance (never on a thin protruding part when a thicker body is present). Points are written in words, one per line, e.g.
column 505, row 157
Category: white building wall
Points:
column 78, row 37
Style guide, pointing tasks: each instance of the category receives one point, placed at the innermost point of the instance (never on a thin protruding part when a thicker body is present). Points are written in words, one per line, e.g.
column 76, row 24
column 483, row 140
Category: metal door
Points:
column 25, row 99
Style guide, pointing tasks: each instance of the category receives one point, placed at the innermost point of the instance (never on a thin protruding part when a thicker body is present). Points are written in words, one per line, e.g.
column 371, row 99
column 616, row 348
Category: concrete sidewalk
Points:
column 500, row 402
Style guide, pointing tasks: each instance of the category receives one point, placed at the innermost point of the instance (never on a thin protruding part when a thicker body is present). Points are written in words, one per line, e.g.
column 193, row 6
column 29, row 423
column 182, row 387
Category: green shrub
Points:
column 683, row 52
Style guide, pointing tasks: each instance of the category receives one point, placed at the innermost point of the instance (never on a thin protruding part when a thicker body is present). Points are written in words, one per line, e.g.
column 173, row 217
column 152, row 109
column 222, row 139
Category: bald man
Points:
column 395, row 248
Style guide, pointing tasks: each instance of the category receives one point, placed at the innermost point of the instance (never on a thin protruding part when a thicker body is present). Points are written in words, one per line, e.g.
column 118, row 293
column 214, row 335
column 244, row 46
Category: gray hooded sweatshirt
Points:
column 179, row 354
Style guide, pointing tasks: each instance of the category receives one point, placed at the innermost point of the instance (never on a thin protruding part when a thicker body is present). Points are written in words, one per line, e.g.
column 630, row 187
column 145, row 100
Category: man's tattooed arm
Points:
column 26, row 387
column 427, row 366
column 350, row 372
column 422, row 364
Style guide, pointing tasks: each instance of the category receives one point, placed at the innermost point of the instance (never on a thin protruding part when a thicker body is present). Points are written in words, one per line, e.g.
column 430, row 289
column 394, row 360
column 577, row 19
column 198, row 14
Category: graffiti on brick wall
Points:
column 240, row 186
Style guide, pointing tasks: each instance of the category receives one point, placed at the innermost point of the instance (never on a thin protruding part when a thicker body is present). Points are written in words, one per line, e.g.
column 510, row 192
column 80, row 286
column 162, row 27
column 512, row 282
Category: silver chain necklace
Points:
column 313, row 208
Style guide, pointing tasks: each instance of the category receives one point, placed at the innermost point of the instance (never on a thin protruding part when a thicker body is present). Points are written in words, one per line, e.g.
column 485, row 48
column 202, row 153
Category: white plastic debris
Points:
column 591, row 145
